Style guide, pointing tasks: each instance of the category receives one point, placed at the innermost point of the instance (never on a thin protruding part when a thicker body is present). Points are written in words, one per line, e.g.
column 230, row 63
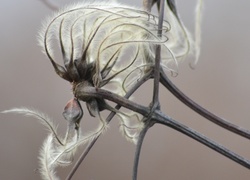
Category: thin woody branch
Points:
column 202, row 111
column 145, row 78
column 138, row 148
column 155, row 102
column 84, row 93
column 161, row 118
column 168, row 121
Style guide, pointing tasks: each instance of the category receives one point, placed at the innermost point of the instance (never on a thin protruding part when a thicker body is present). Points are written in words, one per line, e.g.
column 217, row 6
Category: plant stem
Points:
column 138, row 149
column 156, row 103
column 108, row 119
column 159, row 117
column 200, row 110
column 84, row 93
column 168, row 121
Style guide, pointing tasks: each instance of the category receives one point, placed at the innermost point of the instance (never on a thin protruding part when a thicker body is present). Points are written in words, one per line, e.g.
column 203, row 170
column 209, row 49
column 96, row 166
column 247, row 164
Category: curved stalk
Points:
column 138, row 149
column 168, row 121
column 200, row 110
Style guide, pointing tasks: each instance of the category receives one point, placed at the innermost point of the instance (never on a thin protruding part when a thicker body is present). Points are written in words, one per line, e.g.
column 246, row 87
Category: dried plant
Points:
column 109, row 50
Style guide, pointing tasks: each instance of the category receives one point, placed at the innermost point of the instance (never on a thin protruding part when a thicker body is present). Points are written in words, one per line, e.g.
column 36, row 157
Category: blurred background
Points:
column 219, row 83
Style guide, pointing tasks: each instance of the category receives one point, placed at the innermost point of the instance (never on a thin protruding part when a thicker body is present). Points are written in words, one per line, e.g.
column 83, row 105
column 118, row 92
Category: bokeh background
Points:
column 220, row 83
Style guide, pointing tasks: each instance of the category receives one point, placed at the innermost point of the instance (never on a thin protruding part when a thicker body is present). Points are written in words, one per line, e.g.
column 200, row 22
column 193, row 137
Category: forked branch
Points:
column 160, row 117
column 202, row 111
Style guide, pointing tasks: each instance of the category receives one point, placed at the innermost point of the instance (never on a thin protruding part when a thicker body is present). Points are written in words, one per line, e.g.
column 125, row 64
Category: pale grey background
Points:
column 219, row 83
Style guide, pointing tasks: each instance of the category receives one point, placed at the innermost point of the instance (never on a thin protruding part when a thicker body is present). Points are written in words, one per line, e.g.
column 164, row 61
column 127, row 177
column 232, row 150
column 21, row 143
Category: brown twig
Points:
column 168, row 121
column 202, row 111
column 160, row 117
column 145, row 78
column 155, row 104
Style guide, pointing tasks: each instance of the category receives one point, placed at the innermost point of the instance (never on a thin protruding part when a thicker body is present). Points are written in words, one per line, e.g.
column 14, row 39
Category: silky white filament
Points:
column 117, row 38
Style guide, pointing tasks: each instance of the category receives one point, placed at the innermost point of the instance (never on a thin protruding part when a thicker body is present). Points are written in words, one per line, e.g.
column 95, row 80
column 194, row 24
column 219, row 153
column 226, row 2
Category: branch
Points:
column 84, row 93
column 202, row 111
column 145, row 78
column 161, row 118
column 138, row 148
column 168, row 121
column 156, row 102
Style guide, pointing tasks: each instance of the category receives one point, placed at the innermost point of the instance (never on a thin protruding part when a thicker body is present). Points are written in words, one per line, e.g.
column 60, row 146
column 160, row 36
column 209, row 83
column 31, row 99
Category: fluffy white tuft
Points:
column 130, row 126
column 47, row 168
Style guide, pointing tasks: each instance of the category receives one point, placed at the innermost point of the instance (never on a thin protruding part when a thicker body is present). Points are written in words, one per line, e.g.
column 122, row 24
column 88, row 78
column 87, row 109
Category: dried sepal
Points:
column 93, row 108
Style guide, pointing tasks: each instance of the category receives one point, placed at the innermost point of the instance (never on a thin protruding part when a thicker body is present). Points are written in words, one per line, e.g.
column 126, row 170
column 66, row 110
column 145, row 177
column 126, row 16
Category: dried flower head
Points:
column 106, row 42
column 110, row 45
column 103, row 45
